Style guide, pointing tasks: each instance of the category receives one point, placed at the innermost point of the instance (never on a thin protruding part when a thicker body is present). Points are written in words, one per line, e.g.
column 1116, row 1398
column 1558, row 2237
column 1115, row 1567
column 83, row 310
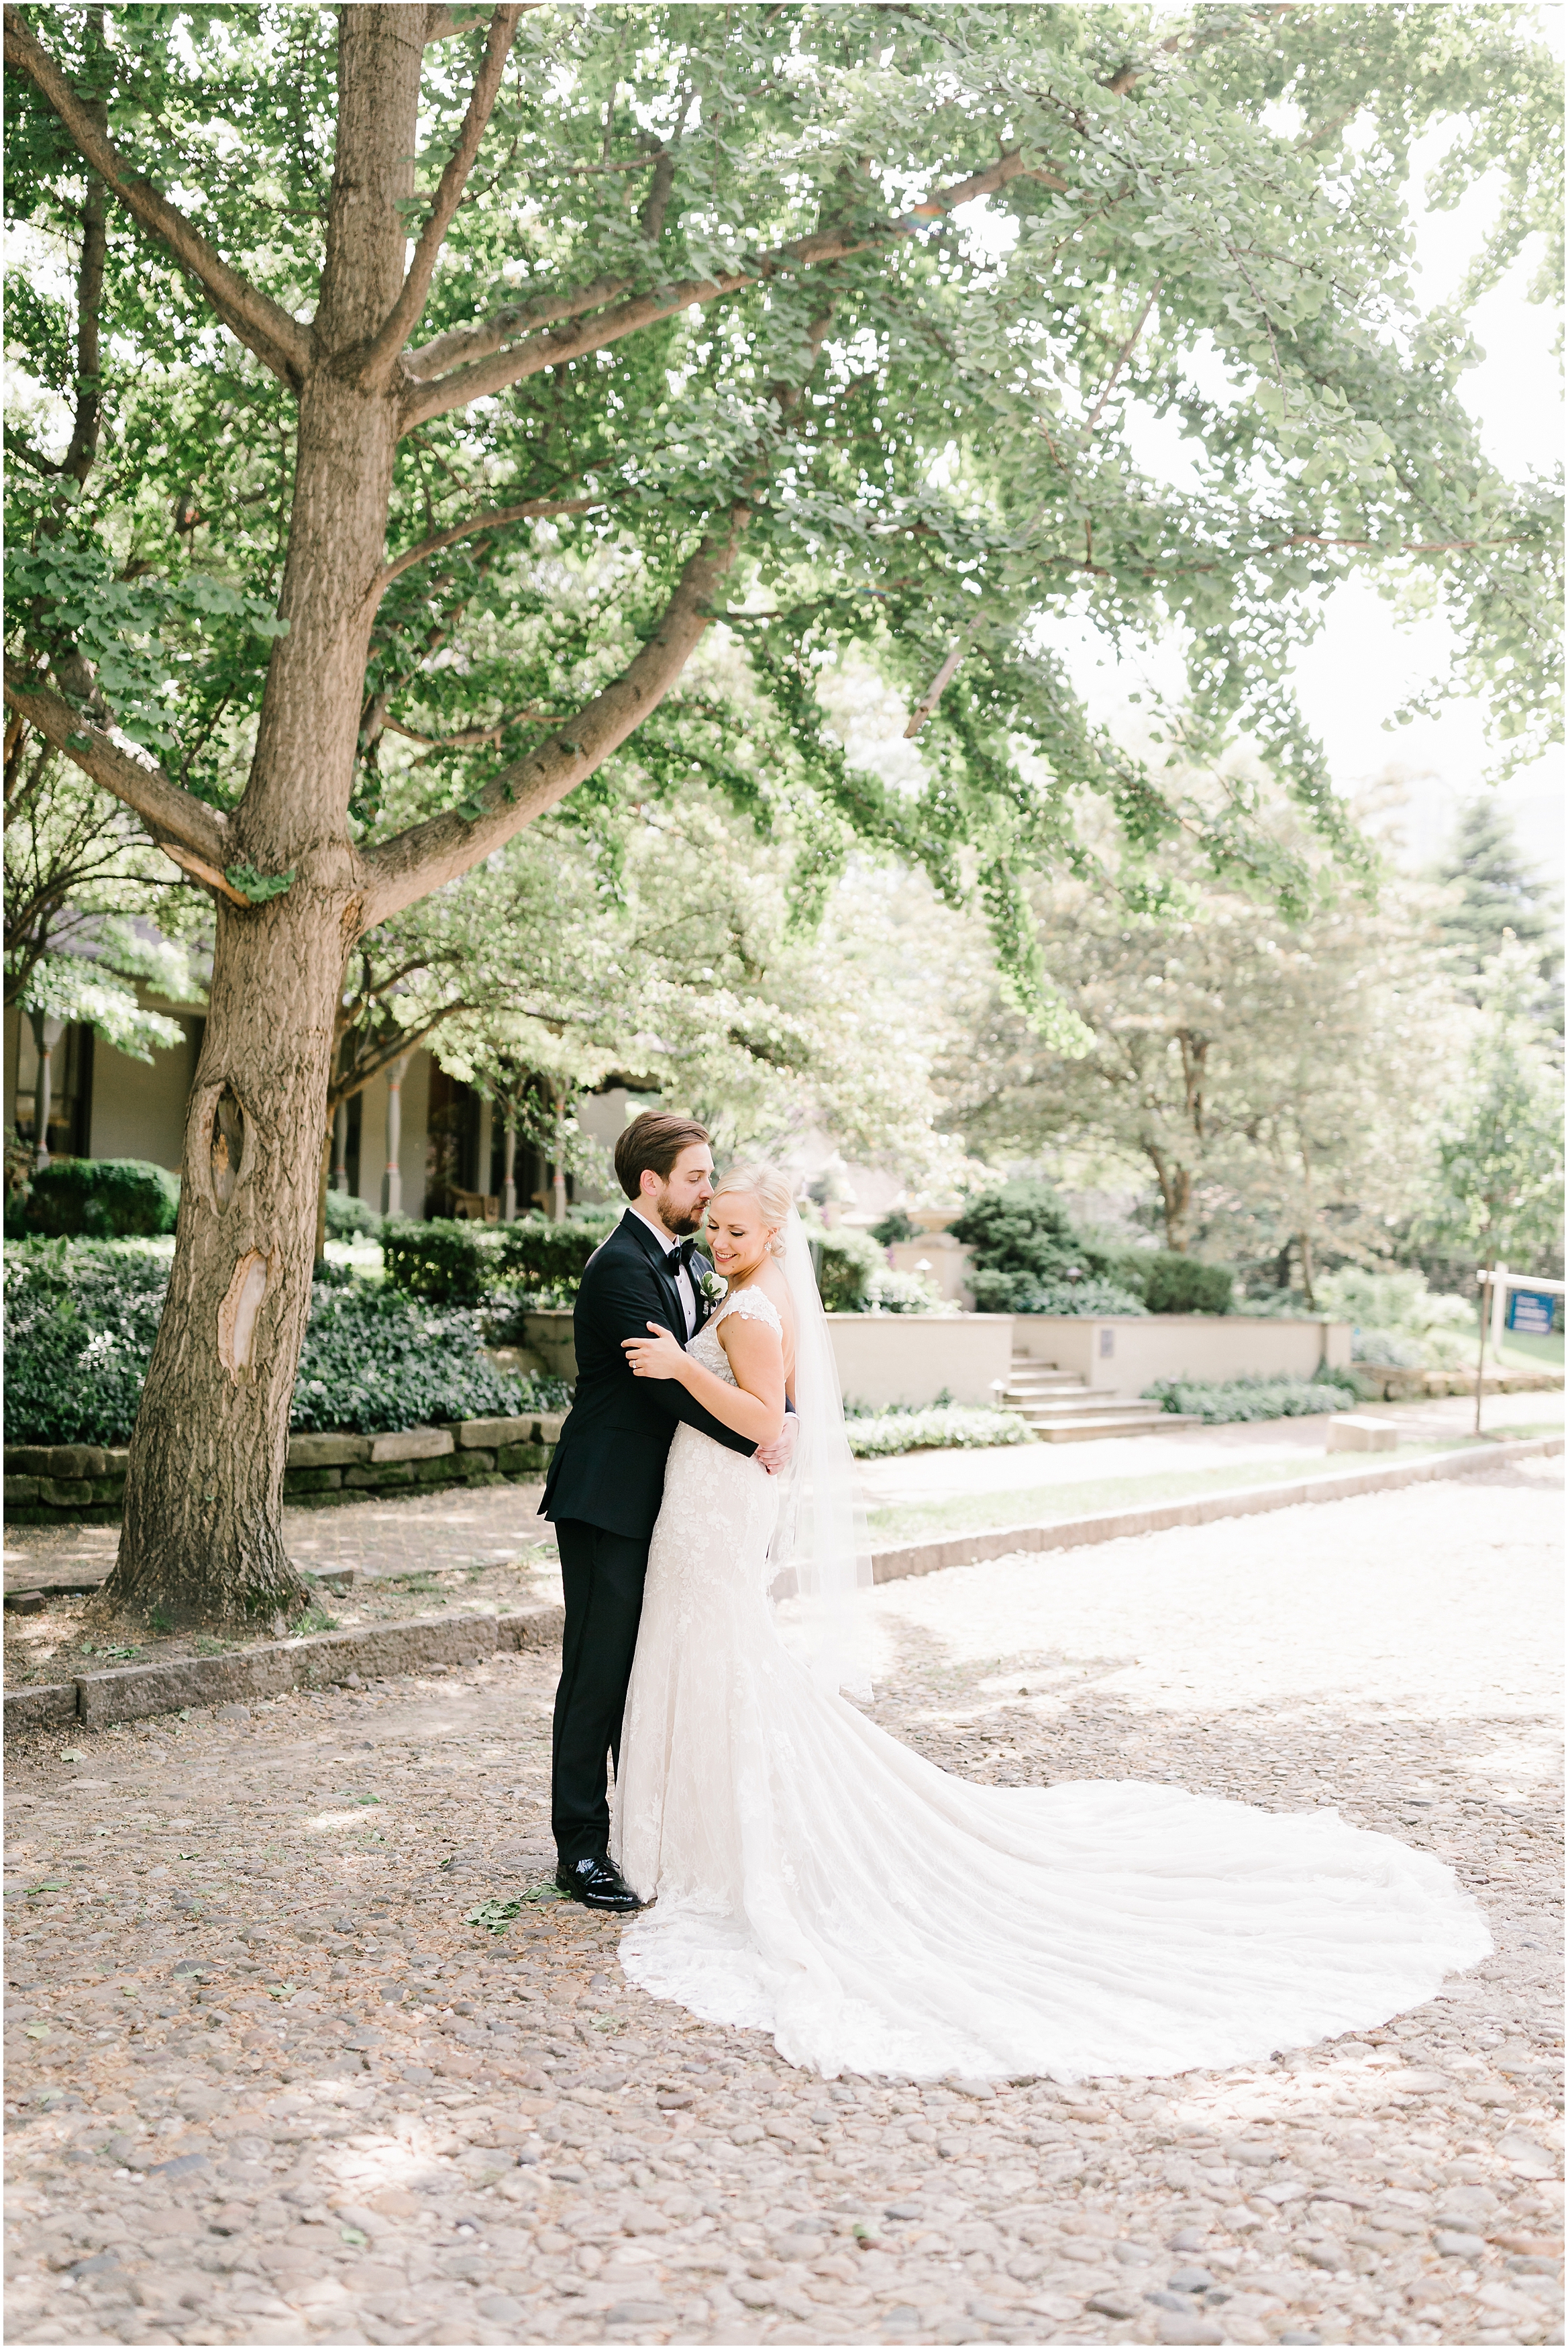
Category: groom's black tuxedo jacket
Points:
column 609, row 1465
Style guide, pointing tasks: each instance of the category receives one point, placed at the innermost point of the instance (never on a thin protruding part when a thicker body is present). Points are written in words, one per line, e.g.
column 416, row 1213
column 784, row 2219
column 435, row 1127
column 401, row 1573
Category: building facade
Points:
column 446, row 1146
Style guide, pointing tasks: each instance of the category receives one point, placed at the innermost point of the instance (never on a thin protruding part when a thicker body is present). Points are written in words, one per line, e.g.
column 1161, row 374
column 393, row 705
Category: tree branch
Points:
column 405, row 312
column 359, row 1073
column 420, row 860
column 471, row 736
column 1123, row 355
column 477, row 375
column 172, row 815
column 530, row 509
column 78, row 461
column 939, row 684
column 252, row 316
column 487, row 335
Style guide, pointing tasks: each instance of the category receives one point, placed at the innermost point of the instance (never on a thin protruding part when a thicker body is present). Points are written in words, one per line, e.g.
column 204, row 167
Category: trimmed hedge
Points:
column 97, row 1198
column 441, row 1262
column 456, row 1263
column 82, row 1317
column 1219, row 1402
column 1170, row 1282
column 548, row 1260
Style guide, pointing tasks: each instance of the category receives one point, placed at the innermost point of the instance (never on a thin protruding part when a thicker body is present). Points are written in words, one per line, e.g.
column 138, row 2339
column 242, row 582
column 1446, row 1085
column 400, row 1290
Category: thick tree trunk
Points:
column 203, row 1503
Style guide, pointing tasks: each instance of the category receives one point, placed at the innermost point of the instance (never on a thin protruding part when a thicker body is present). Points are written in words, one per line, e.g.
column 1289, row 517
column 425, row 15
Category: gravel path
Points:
column 265, row 2084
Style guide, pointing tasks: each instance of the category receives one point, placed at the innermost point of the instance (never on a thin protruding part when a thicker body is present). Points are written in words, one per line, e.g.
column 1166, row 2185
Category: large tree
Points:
column 384, row 336
column 1279, row 1081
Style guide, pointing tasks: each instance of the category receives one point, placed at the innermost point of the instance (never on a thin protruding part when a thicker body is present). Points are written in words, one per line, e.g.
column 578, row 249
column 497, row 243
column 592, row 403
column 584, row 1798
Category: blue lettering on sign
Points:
column 1530, row 1311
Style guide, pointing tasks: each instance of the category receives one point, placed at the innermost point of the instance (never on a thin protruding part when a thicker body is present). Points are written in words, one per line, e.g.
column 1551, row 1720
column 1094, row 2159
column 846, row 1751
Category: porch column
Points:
column 509, row 1172
column 47, row 1033
column 392, row 1180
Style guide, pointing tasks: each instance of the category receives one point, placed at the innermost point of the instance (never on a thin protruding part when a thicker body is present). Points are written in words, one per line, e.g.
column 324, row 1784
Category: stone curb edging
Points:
column 1245, row 1501
column 383, row 1651
column 380, row 1652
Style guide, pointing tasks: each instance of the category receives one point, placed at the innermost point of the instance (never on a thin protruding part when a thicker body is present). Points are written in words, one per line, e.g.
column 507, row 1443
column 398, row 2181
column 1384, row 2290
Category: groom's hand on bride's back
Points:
column 776, row 1456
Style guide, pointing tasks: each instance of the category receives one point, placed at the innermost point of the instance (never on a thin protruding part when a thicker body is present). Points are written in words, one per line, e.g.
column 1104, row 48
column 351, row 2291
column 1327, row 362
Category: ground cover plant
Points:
column 81, row 1320
column 878, row 1435
column 1221, row 1401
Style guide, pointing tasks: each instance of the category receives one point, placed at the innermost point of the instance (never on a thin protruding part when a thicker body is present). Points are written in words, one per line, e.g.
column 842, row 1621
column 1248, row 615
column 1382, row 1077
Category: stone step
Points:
column 1086, row 1431
column 1085, row 1400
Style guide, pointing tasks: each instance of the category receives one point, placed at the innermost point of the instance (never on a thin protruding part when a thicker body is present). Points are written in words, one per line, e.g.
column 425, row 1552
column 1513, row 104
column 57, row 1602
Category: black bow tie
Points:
column 680, row 1255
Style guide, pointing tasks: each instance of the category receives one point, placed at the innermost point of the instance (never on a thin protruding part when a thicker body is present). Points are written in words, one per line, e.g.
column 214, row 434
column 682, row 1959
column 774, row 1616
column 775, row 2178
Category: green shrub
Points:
column 81, row 1318
column 373, row 1359
column 1220, row 1402
column 348, row 1218
column 876, row 1436
column 546, row 1260
column 846, row 1264
column 1173, row 1283
column 98, row 1198
column 895, row 1225
column 1020, row 1292
column 1024, row 1242
column 443, row 1263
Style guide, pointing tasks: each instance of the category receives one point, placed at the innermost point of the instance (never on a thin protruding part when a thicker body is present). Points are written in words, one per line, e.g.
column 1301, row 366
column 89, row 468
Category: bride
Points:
column 818, row 1880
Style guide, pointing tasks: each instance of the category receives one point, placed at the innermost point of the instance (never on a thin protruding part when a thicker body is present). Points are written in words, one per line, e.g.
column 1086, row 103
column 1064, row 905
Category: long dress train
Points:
column 819, row 1880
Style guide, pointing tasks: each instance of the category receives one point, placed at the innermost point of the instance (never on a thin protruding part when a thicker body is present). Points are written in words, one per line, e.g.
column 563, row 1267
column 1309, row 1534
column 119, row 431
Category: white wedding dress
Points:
column 818, row 1880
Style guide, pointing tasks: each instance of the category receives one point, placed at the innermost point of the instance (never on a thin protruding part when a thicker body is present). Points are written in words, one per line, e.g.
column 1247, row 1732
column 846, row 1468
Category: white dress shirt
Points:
column 682, row 1275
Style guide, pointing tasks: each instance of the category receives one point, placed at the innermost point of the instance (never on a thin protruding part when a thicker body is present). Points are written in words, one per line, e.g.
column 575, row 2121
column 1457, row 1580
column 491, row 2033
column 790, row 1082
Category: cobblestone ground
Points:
column 266, row 2084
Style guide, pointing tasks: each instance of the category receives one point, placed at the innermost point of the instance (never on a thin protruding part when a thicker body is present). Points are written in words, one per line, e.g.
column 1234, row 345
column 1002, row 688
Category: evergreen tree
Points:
column 1492, row 889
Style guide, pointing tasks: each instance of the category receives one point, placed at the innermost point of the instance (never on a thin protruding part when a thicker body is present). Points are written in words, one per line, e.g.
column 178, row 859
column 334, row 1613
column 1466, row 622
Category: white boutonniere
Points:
column 714, row 1289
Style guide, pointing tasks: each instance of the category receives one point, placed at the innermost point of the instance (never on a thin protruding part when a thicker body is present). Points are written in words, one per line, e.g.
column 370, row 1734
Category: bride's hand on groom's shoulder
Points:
column 659, row 1357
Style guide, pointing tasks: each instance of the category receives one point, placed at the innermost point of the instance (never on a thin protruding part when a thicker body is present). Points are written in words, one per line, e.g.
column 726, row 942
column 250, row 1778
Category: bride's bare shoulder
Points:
column 769, row 1280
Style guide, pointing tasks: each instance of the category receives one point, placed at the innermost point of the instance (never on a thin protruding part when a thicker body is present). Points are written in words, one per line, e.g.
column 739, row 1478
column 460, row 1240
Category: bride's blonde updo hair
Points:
column 770, row 1186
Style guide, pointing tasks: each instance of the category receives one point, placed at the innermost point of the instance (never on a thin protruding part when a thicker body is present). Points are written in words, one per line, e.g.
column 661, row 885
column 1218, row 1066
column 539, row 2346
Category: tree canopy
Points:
column 863, row 297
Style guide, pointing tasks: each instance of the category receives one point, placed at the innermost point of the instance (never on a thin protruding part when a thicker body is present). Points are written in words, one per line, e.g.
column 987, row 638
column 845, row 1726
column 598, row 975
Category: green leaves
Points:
column 69, row 600
column 257, row 887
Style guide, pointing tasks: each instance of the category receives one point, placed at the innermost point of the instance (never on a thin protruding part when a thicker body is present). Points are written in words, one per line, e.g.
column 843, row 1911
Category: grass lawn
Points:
column 1047, row 1505
column 1521, row 1351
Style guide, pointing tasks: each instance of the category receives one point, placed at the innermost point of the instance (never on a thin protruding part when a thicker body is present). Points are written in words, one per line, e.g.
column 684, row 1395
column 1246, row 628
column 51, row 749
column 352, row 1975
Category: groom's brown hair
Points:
column 651, row 1143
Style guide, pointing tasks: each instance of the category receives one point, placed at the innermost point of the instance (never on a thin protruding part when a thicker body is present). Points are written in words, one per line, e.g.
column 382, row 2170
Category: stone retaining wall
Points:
column 1379, row 1385
column 83, row 1483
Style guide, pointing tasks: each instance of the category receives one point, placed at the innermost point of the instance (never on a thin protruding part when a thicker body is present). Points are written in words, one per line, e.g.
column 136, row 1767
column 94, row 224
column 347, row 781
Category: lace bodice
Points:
column 750, row 1305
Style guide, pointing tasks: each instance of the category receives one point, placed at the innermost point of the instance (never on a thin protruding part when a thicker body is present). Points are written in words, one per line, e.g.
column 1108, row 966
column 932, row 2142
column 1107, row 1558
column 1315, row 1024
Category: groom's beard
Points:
column 682, row 1222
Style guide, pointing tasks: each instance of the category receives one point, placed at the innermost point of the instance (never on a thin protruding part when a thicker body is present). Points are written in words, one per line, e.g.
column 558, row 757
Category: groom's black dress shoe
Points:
column 597, row 1883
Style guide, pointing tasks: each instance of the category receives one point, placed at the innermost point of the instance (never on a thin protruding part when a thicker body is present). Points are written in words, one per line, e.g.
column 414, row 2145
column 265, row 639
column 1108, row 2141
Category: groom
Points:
column 607, row 1478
